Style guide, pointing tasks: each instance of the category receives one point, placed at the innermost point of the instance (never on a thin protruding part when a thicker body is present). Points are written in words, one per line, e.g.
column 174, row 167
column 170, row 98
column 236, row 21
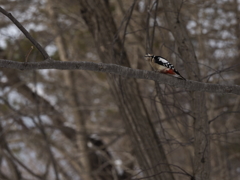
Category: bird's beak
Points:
column 146, row 57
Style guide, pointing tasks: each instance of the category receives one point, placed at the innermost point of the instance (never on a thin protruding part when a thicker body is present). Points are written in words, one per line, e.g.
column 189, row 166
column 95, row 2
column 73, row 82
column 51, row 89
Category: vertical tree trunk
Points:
column 70, row 81
column 201, row 126
column 149, row 151
column 237, row 34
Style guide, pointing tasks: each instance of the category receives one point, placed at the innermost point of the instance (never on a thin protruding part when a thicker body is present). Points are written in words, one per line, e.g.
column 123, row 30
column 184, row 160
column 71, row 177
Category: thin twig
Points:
column 147, row 30
column 128, row 20
column 26, row 33
column 227, row 112
column 26, row 60
column 178, row 13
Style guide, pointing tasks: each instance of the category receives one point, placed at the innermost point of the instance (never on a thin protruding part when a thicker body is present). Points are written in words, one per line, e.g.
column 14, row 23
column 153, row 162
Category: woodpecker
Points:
column 161, row 65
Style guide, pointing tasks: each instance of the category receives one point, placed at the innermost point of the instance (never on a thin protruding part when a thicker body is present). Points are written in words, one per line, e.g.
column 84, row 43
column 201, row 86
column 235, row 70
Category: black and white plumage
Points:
column 161, row 65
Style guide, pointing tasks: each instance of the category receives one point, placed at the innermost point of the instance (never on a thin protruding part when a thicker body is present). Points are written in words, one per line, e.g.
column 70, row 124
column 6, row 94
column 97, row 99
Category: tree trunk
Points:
column 149, row 151
column 201, row 127
column 70, row 81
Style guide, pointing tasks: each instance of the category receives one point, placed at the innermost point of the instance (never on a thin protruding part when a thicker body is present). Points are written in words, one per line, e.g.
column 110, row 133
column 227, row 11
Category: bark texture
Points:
column 124, row 72
column 201, row 127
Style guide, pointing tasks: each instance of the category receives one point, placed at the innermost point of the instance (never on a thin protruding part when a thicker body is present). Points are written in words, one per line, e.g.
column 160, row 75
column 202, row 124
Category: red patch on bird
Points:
column 169, row 71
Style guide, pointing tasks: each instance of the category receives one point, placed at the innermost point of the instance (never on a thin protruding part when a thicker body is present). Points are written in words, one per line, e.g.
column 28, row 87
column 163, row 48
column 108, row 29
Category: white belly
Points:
column 158, row 67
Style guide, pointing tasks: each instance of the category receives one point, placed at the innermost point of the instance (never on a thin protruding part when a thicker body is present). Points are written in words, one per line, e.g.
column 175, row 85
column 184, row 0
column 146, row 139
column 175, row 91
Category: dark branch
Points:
column 122, row 71
column 26, row 33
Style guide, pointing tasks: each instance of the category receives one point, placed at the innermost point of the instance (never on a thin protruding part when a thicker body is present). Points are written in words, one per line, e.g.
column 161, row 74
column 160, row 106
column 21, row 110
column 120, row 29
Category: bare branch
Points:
column 122, row 71
column 26, row 33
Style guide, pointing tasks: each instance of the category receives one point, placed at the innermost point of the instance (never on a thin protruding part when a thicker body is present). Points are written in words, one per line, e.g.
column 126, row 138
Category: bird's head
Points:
column 149, row 57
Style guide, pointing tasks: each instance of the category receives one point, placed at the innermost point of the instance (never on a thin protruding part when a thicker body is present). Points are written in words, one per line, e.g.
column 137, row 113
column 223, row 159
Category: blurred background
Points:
column 69, row 125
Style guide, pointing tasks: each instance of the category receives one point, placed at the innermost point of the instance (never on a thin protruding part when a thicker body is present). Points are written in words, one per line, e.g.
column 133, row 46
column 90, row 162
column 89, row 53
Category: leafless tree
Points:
column 115, row 119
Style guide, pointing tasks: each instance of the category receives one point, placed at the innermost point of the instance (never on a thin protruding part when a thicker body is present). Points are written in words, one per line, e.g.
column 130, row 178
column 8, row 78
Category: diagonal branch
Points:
column 26, row 33
column 122, row 71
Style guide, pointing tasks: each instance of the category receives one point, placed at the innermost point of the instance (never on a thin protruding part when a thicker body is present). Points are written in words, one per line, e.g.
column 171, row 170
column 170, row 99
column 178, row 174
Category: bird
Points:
column 161, row 65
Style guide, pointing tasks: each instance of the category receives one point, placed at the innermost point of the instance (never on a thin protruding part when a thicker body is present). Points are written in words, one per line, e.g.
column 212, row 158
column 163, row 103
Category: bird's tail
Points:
column 181, row 77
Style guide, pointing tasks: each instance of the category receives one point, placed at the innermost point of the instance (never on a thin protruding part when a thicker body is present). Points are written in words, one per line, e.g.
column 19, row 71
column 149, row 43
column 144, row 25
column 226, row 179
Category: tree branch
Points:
column 26, row 33
column 122, row 71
